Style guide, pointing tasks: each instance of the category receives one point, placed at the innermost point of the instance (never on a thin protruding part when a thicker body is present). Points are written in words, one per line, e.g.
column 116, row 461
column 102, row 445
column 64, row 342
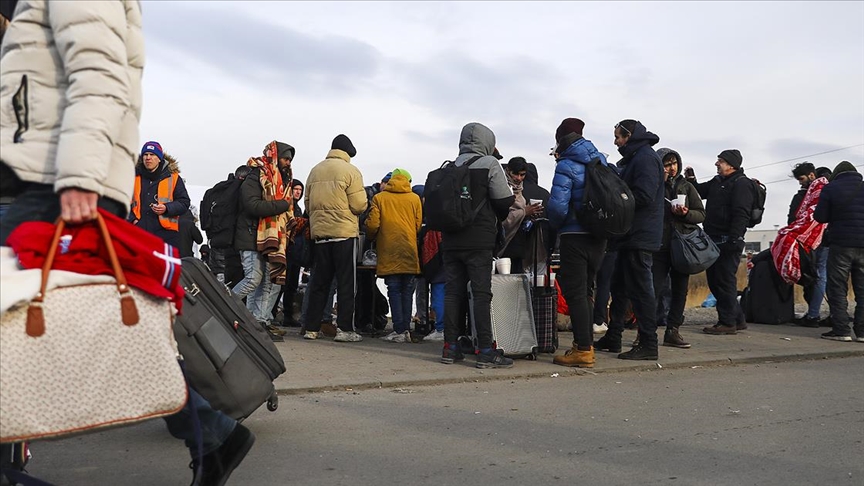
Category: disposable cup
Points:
column 503, row 266
column 541, row 280
column 681, row 200
column 552, row 278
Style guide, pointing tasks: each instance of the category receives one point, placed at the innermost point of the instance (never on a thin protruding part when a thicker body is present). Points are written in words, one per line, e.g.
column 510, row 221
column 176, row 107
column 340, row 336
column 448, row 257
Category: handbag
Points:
column 692, row 252
column 84, row 357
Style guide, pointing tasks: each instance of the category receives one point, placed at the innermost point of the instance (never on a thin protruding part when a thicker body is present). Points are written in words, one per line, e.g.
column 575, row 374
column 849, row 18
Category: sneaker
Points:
column 639, row 353
column 826, row 322
column 397, row 337
column 606, row 343
column 347, row 337
column 451, row 353
column 217, row 466
column 310, row 335
column 275, row 330
column 328, row 329
column 493, row 359
column 807, row 321
column 836, row 337
column 859, row 338
column 673, row 338
column 434, row 336
column 575, row 358
column 276, row 338
column 600, row 328
column 720, row 329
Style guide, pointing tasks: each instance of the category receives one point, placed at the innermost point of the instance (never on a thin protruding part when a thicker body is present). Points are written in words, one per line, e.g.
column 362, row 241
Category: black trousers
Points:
column 289, row 290
column 335, row 259
column 461, row 267
column 633, row 280
column 723, row 283
column 603, row 287
column 670, row 287
column 581, row 256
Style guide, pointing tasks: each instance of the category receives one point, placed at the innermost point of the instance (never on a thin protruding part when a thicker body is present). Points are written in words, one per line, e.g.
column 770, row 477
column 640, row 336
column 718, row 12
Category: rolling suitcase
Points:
column 512, row 317
column 229, row 357
column 544, row 303
column 767, row 298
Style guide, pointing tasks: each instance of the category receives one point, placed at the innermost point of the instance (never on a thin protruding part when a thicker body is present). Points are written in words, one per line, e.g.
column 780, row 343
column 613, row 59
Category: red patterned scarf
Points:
column 804, row 232
column 273, row 231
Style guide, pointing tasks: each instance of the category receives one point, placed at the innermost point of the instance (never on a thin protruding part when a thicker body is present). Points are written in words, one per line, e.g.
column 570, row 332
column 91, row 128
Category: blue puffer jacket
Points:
column 841, row 205
column 568, row 185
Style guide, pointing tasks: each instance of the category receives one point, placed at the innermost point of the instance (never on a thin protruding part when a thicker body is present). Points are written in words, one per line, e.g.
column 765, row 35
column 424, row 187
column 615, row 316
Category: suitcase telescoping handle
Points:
column 538, row 236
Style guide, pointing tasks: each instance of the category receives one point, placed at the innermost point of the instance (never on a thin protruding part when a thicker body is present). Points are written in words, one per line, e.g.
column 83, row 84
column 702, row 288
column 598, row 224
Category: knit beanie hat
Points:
column 343, row 143
column 284, row 151
column 402, row 172
column 153, row 148
column 568, row 132
column 732, row 157
column 844, row 166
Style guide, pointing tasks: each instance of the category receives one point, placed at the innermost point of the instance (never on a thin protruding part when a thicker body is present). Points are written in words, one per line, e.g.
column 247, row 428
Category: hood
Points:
column 532, row 177
column 663, row 152
column 398, row 184
column 298, row 182
column 476, row 138
column 169, row 162
column 640, row 137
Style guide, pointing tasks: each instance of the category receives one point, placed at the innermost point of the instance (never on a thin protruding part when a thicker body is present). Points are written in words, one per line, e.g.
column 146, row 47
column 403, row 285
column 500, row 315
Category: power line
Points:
column 790, row 179
column 805, row 157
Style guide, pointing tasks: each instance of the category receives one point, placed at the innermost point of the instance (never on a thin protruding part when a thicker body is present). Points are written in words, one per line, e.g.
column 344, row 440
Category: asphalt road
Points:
column 767, row 424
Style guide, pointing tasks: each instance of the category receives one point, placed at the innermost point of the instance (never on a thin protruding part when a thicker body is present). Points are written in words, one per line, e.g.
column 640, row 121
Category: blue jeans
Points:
column 400, row 292
column 843, row 261
column 256, row 285
column 215, row 425
column 438, row 305
column 820, row 259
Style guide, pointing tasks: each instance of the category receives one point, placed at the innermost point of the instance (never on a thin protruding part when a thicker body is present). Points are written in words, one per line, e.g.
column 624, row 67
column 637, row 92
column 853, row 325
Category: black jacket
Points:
column 253, row 207
column 673, row 188
column 728, row 205
column 841, row 204
column 149, row 188
column 642, row 170
column 795, row 204
column 189, row 233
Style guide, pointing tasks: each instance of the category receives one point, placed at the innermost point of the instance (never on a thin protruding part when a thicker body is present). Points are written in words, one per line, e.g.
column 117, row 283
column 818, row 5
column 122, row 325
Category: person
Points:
column 335, row 198
column 189, row 234
column 204, row 251
column 90, row 163
column 814, row 290
column 468, row 252
column 632, row 280
column 603, row 290
column 515, row 226
column 841, row 205
column 670, row 285
column 729, row 199
column 261, row 234
column 292, row 274
column 219, row 214
column 393, row 223
column 159, row 197
column 581, row 251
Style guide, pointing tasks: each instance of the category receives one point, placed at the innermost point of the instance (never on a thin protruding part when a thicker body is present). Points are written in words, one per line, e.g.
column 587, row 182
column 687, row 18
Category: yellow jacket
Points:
column 395, row 220
column 335, row 197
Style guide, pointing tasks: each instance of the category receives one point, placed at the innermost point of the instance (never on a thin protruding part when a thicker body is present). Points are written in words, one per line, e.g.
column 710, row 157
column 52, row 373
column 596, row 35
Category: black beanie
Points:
column 842, row 167
column 284, row 151
column 343, row 143
column 732, row 157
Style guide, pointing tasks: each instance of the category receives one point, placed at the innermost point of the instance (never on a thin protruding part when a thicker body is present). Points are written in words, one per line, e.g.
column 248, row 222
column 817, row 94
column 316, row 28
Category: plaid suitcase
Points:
column 544, row 299
column 512, row 318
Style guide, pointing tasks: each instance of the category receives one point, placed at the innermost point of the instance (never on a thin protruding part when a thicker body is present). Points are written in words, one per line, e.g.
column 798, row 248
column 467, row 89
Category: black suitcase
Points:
column 230, row 359
column 767, row 298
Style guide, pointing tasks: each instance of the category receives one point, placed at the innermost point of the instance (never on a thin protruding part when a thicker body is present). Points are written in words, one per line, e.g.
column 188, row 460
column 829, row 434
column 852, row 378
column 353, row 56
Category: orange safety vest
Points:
column 164, row 194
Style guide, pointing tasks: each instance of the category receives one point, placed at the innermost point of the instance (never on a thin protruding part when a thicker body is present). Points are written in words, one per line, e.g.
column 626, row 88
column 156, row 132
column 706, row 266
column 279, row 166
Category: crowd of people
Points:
column 76, row 151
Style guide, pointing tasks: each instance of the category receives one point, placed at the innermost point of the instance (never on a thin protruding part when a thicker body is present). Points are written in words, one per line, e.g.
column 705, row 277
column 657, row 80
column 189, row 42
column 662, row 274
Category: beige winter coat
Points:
column 335, row 197
column 73, row 69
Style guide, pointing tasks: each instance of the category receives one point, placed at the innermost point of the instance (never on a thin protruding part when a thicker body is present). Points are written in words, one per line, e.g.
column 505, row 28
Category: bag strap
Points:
column 128, row 309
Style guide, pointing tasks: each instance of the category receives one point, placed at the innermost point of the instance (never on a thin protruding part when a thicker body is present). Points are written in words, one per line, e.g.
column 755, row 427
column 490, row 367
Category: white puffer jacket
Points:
column 70, row 94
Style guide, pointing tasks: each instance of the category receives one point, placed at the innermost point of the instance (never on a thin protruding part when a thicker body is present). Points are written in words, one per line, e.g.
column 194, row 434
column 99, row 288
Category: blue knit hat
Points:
column 387, row 177
column 153, row 148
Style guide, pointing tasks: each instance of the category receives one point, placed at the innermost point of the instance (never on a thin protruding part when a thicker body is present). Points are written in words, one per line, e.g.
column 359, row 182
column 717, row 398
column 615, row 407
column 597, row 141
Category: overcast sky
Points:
column 777, row 80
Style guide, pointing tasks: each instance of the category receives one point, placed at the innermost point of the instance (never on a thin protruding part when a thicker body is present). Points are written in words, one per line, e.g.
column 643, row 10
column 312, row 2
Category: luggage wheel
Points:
column 273, row 402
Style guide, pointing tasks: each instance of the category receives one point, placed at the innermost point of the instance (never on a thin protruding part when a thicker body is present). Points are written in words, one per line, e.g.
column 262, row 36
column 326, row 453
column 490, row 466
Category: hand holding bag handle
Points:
column 35, row 316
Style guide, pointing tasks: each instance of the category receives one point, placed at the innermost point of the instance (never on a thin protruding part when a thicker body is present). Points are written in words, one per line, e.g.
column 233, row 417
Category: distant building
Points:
column 758, row 240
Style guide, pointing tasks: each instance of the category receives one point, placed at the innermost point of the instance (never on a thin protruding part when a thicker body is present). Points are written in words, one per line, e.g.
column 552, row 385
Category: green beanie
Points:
column 844, row 166
column 402, row 172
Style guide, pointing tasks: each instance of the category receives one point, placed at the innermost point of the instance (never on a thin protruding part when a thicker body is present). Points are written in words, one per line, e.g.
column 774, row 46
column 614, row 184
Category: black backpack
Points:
column 759, row 195
column 219, row 210
column 449, row 207
column 608, row 205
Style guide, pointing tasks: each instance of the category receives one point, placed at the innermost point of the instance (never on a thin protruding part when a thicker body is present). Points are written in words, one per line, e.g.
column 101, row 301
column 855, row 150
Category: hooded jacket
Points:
column 674, row 187
column 335, row 197
column 488, row 187
column 73, row 68
column 568, row 185
column 253, row 207
column 298, row 211
column 394, row 223
column 149, row 184
column 728, row 204
column 642, row 170
column 841, row 204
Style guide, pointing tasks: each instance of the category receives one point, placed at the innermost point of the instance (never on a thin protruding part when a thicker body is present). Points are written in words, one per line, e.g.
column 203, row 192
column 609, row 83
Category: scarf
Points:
column 273, row 231
column 804, row 232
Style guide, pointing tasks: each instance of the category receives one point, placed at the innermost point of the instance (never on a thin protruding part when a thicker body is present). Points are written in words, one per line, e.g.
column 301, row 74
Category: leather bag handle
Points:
column 36, row 317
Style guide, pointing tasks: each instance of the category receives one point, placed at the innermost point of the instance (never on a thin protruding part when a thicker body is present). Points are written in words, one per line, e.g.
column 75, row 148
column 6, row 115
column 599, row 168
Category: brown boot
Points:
column 573, row 357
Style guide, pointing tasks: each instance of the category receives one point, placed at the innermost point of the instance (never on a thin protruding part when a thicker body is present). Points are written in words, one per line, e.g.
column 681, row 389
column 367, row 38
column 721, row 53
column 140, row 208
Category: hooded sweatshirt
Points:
column 674, row 187
column 642, row 170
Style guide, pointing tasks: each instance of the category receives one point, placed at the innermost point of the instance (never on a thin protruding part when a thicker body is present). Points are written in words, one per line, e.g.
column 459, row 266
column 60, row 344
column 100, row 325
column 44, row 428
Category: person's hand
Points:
column 158, row 208
column 533, row 209
column 680, row 210
column 77, row 205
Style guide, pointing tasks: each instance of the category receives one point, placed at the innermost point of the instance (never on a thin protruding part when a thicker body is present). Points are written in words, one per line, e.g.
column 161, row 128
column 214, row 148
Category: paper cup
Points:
column 681, row 200
column 503, row 266
column 541, row 280
column 535, row 201
column 552, row 278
